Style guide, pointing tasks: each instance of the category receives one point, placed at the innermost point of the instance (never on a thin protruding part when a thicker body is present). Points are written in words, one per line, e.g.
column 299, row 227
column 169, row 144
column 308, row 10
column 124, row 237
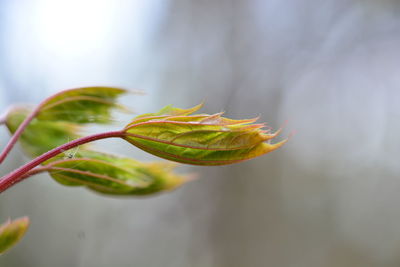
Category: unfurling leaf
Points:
column 172, row 133
column 167, row 111
column 80, row 166
column 81, row 105
column 41, row 135
column 61, row 117
column 11, row 232
column 201, row 139
column 110, row 174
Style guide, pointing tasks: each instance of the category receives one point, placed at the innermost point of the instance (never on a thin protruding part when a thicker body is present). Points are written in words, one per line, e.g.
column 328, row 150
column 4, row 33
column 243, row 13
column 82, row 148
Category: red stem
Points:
column 22, row 126
column 25, row 170
column 18, row 133
column 34, row 172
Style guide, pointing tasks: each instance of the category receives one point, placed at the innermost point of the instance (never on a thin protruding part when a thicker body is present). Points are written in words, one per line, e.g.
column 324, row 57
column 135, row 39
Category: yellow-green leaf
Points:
column 81, row 105
column 98, row 171
column 11, row 232
column 200, row 139
column 41, row 135
column 110, row 174
column 171, row 111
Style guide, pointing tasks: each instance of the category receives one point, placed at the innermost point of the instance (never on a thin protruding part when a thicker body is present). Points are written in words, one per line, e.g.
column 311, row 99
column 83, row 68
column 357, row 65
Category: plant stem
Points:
column 25, row 170
column 22, row 126
column 17, row 133
column 33, row 172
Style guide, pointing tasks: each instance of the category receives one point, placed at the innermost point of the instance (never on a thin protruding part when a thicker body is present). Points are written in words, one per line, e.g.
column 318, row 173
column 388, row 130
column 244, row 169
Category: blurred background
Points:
column 330, row 197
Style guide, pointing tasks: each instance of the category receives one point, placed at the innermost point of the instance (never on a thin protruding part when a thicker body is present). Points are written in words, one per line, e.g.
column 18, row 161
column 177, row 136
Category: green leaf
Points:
column 82, row 105
column 97, row 171
column 200, row 139
column 41, row 136
column 110, row 174
column 61, row 116
column 11, row 232
column 168, row 111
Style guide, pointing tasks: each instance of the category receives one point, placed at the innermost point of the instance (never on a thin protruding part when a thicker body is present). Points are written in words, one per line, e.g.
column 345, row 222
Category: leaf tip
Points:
column 174, row 181
column 11, row 232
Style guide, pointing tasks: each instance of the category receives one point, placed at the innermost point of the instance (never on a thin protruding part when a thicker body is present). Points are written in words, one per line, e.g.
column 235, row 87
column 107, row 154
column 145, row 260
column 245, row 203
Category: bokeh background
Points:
column 331, row 69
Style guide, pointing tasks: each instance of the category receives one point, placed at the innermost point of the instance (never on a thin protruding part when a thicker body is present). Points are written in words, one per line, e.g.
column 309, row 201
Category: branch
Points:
column 27, row 169
column 34, row 171
column 17, row 133
column 22, row 126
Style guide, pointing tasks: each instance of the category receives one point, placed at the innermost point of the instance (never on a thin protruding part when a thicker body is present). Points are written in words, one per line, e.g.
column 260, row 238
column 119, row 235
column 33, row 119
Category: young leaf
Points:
column 110, row 174
column 200, row 139
column 97, row 171
column 11, row 232
column 40, row 135
column 60, row 117
column 81, row 105
column 169, row 111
